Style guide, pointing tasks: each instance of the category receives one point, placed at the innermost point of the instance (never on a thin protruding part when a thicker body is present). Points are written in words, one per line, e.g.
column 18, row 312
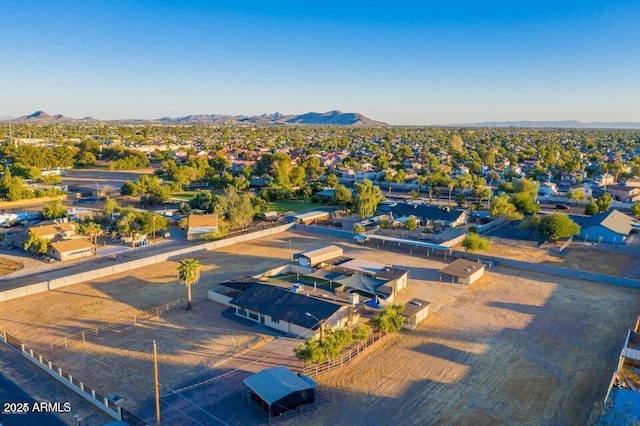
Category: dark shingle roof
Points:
column 426, row 211
column 286, row 305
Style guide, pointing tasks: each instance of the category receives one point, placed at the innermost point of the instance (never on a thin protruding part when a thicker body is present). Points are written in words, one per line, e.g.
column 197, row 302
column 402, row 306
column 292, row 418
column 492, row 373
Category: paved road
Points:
column 12, row 393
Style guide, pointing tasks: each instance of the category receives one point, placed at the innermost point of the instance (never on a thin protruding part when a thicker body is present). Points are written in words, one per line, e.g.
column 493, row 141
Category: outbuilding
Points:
column 312, row 258
column 278, row 390
column 415, row 311
column 462, row 271
column 310, row 218
column 71, row 249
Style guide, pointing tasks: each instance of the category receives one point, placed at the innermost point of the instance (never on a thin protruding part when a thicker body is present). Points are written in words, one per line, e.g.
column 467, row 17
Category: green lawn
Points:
column 186, row 195
column 291, row 205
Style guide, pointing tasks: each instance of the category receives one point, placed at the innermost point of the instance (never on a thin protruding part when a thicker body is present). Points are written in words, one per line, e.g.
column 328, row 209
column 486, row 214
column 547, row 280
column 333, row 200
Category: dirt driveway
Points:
column 514, row 348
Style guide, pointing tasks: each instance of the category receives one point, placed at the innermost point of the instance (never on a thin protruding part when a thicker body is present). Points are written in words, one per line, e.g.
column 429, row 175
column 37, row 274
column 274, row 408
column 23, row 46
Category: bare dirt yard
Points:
column 8, row 266
column 619, row 260
column 513, row 348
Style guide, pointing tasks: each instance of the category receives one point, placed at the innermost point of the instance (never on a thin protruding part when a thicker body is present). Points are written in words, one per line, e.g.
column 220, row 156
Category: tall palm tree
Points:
column 189, row 273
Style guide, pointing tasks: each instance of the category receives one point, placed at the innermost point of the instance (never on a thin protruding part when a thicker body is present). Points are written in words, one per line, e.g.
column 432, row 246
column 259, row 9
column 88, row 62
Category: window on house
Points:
column 275, row 320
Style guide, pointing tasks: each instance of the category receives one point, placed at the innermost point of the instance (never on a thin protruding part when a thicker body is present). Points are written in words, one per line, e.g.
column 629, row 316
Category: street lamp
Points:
column 320, row 322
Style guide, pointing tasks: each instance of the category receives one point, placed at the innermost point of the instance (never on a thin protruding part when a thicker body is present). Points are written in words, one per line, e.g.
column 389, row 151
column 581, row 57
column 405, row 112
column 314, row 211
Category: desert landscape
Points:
column 513, row 348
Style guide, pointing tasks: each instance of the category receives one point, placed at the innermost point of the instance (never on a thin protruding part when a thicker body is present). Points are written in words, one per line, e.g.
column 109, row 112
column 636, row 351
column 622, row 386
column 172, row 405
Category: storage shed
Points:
column 310, row 218
column 415, row 311
column 311, row 258
column 278, row 390
column 462, row 271
column 71, row 249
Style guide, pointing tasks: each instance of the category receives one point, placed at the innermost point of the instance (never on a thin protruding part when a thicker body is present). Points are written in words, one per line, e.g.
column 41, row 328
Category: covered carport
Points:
column 279, row 391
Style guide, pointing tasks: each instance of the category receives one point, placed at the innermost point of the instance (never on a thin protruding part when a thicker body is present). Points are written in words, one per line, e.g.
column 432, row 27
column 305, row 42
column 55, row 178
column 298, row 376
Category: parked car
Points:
column 562, row 207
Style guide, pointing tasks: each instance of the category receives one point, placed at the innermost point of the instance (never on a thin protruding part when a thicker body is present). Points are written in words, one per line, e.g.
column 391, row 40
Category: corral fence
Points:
column 344, row 358
column 109, row 406
column 82, row 336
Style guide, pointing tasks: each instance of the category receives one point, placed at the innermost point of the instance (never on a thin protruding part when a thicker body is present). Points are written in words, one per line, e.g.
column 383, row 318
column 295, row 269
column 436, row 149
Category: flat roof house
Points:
column 286, row 311
column 462, row 271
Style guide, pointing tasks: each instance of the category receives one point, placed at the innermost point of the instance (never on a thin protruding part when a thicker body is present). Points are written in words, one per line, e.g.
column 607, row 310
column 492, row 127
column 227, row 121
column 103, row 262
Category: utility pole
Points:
column 157, row 386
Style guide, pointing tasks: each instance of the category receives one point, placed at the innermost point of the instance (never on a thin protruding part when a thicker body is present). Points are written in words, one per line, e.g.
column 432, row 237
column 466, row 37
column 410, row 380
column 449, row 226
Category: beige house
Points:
column 462, row 271
column 54, row 231
column 71, row 249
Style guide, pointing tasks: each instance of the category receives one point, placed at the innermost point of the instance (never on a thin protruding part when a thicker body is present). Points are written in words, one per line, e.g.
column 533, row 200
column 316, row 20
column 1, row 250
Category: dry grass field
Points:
column 513, row 348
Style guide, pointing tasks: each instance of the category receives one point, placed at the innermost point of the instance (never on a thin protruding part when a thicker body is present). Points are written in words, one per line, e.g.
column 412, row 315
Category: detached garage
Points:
column 311, row 258
column 462, row 271
column 278, row 390
column 71, row 249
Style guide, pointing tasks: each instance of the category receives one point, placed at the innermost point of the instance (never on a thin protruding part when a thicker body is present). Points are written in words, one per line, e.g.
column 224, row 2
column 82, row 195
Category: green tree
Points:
column 635, row 210
column 460, row 199
column 342, row 195
column 189, row 274
column 558, row 225
column 604, row 202
column 332, row 180
column 111, row 206
column 474, row 241
column 388, row 319
column 54, row 210
column 238, row 208
column 35, row 244
column 591, row 208
column 128, row 188
column 358, row 229
column 502, row 207
column 361, row 332
column 367, row 198
column 206, row 201
column 411, row 224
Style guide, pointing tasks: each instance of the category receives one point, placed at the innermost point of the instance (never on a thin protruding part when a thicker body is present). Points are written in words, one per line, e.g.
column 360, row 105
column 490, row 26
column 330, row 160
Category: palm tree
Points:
column 189, row 273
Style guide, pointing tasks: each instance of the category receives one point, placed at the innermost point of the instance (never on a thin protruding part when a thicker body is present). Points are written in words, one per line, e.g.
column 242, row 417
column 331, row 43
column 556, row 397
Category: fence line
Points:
column 344, row 358
column 82, row 276
column 94, row 331
column 112, row 408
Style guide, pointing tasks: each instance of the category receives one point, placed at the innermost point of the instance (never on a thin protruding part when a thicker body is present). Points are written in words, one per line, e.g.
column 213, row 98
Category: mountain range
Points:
column 564, row 124
column 311, row 118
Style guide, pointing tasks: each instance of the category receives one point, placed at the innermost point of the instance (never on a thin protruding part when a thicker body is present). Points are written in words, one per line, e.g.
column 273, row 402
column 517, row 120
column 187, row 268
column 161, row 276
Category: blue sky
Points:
column 404, row 62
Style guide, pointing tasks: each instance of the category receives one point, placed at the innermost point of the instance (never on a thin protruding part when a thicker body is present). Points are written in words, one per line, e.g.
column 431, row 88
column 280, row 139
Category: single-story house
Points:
column 293, row 313
column 462, row 271
column 201, row 224
column 415, row 311
column 63, row 230
column 608, row 227
column 426, row 213
column 71, row 249
column 312, row 258
column 278, row 390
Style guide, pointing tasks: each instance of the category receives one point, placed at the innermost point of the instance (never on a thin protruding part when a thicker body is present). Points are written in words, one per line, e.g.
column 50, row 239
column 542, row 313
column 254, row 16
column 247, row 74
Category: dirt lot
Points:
column 8, row 266
column 576, row 257
column 514, row 348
